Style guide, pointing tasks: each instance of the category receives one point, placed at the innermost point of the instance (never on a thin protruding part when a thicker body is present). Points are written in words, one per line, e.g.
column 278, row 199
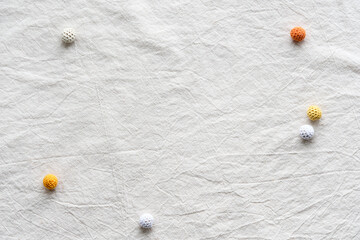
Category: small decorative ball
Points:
column 298, row 34
column 306, row 132
column 314, row 113
column 50, row 181
column 68, row 35
column 146, row 220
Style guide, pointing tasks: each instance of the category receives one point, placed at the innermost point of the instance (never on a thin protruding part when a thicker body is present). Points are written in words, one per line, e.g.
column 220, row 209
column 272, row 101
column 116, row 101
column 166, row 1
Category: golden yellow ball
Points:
column 50, row 181
column 314, row 113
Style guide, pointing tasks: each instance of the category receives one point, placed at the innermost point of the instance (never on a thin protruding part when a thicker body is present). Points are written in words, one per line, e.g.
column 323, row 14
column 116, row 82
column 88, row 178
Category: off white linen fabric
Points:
column 189, row 110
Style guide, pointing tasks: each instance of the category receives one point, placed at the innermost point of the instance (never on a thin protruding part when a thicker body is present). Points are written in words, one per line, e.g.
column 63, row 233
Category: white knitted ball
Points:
column 306, row 132
column 68, row 35
column 146, row 220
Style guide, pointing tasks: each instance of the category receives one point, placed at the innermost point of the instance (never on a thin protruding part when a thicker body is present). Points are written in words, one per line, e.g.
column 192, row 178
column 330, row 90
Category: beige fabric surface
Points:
column 189, row 110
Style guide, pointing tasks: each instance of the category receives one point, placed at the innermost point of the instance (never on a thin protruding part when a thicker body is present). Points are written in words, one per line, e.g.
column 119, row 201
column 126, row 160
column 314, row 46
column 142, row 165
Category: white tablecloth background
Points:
column 189, row 110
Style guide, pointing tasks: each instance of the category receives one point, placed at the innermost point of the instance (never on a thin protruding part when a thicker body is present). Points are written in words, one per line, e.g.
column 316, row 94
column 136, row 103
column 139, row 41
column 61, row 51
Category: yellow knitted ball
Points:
column 50, row 181
column 314, row 113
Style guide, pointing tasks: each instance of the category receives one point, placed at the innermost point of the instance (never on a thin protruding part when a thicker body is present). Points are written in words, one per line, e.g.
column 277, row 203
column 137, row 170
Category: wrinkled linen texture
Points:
column 189, row 110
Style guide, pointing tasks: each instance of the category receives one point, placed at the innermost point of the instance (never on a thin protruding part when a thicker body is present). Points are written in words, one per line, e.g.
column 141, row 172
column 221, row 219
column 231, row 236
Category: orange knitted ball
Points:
column 298, row 34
